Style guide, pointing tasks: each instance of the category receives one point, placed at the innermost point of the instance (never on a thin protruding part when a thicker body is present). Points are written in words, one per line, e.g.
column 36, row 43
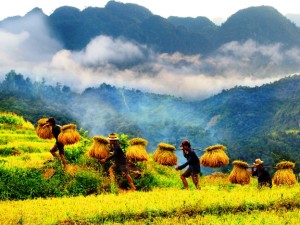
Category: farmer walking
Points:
column 120, row 162
column 194, row 165
column 58, row 146
column 263, row 176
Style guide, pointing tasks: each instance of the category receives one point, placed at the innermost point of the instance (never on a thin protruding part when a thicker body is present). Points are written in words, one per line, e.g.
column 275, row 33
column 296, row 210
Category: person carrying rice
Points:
column 194, row 165
column 263, row 176
column 58, row 146
column 120, row 161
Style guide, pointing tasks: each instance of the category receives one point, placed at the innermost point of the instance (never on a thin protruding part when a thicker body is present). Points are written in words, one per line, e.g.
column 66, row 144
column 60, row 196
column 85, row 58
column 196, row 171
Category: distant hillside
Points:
column 200, row 25
column 128, row 20
column 245, row 111
column 105, row 109
column 198, row 35
column 257, row 122
column 263, row 24
column 252, row 122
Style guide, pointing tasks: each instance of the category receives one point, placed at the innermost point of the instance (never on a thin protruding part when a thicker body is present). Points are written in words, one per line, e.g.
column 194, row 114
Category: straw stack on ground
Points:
column 69, row 135
column 239, row 173
column 214, row 157
column 165, row 155
column 99, row 149
column 44, row 132
column 284, row 173
column 136, row 151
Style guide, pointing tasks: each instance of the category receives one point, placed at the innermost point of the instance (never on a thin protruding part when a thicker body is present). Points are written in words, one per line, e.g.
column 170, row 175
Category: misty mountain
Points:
column 263, row 24
column 75, row 28
column 199, row 25
column 255, row 111
column 131, row 21
column 251, row 122
column 125, row 45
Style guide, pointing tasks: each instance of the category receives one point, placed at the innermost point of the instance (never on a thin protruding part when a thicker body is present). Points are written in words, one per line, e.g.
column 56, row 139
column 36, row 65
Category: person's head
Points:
column 185, row 145
column 51, row 121
column 258, row 163
column 113, row 139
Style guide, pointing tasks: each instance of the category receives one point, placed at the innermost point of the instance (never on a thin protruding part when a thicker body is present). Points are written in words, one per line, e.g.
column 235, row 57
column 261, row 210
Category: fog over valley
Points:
column 37, row 54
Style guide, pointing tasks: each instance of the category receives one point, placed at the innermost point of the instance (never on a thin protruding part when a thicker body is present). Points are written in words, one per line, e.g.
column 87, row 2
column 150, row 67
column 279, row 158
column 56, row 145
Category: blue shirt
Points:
column 192, row 161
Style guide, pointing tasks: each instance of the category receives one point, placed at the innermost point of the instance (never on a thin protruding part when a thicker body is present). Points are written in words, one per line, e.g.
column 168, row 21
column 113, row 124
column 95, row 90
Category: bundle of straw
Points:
column 284, row 173
column 165, row 155
column 99, row 149
column 69, row 135
column 137, row 150
column 214, row 156
column 239, row 173
column 44, row 132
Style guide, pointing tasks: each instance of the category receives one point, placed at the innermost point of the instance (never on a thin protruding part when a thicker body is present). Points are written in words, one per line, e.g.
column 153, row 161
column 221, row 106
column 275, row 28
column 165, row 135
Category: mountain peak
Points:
column 263, row 24
column 35, row 11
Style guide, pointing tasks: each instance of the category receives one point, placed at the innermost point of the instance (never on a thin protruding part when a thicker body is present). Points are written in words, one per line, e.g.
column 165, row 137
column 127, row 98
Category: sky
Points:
column 36, row 54
column 215, row 10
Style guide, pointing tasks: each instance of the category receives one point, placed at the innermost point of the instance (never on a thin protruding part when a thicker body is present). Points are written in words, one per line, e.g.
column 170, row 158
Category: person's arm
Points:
column 253, row 172
column 182, row 166
column 107, row 159
column 110, row 157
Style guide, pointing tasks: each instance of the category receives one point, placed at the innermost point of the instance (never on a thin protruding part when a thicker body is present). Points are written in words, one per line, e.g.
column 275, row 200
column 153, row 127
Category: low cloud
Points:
column 119, row 62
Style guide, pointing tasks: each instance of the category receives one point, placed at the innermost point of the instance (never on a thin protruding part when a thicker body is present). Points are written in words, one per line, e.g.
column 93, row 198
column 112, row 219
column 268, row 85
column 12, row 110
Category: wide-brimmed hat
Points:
column 113, row 137
column 258, row 162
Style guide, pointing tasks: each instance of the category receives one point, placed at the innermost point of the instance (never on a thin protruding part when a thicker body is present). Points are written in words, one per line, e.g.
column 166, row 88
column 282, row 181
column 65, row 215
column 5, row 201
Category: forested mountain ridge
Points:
column 75, row 28
column 264, row 108
column 263, row 24
column 251, row 122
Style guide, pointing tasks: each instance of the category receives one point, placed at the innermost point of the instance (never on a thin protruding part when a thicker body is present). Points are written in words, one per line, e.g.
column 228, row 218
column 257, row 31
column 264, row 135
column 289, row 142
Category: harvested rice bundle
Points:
column 239, row 173
column 214, row 156
column 99, row 149
column 285, row 165
column 165, row 155
column 69, row 135
column 44, row 132
column 284, row 173
column 137, row 150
